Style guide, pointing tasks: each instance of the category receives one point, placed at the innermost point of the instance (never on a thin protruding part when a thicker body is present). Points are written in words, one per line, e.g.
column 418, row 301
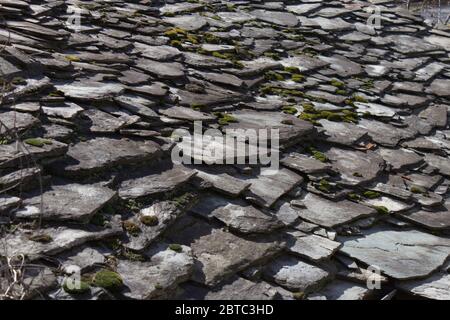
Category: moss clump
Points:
column 82, row 288
column 132, row 228
column 219, row 55
column 185, row 200
column 337, row 83
column 357, row 174
column 354, row 196
column 317, row 154
column 298, row 295
column 418, row 189
column 175, row 33
column 289, row 110
column 42, row 238
column 176, row 43
column 297, row 77
column 175, row 247
column 324, row 186
column 341, row 92
column 381, row 209
column 334, row 117
column 225, row 118
column 292, row 70
column 272, row 55
column 132, row 256
column 72, row 58
column 274, row 76
column 359, row 99
column 369, row 194
column 37, row 142
column 149, row 220
column 108, row 280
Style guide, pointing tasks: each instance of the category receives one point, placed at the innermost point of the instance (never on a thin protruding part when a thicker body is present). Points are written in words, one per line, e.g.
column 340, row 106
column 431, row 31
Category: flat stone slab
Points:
column 305, row 164
column 355, row 167
column 184, row 113
column 342, row 290
column 237, row 215
column 68, row 110
column 265, row 190
column 438, row 219
column 8, row 202
column 66, row 201
column 223, row 182
column 220, row 254
column 90, row 90
column 157, row 277
column 399, row 159
column 155, row 184
column 19, row 121
column 311, row 246
column 99, row 154
column 386, row 134
column 330, row 214
column 342, row 133
column 296, row 275
column 285, row 19
column 60, row 239
column 163, row 70
column 399, row 254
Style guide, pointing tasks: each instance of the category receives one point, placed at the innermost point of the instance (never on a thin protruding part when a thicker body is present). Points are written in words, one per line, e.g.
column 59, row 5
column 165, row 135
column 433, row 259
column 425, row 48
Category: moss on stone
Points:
column 289, row 110
column 108, row 280
column 337, row 83
column 42, row 238
column 149, row 220
column 369, row 194
column 274, row 76
column 176, row 247
column 354, row 196
column 297, row 77
column 381, row 209
column 72, row 58
column 38, row 142
column 298, row 295
column 132, row 228
column 418, row 189
column 83, row 287
column 324, row 186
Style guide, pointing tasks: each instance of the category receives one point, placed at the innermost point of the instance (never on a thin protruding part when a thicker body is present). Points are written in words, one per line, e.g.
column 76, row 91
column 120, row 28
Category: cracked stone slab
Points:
column 99, row 154
column 237, row 215
column 296, row 275
column 399, row 254
column 66, row 110
column 342, row 133
column 158, row 277
column 155, row 184
column 386, row 134
column 400, row 159
column 330, row 214
column 223, row 182
column 305, row 164
column 438, row 219
column 66, row 201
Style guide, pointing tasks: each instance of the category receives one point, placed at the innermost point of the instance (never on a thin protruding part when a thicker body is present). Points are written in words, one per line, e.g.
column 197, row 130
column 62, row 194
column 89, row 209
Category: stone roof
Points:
column 88, row 116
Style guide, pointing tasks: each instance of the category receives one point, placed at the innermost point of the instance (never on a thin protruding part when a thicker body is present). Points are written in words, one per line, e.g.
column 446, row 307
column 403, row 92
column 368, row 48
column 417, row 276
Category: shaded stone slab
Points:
column 386, row 134
column 99, row 154
column 296, row 275
column 83, row 257
column 435, row 220
column 237, row 214
column 158, row 277
column 24, row 178
column 239, row 288
column 8, row 202
column 155, row 184
column 164, row 70
column 442, row 164
column 100, row 121
column 330, row 214
column 311, row 246
column 436, row 287
column 344, row 66
column 440, row 87
column 66, row 201
column 355, row 167
column 399, row 254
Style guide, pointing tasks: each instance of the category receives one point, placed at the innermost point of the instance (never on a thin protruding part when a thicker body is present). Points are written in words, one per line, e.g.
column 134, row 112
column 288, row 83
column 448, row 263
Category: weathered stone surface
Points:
column 311, row 247
column 399, row 254
column 305, row 164
column 154, row 184
column 237, row 215
column 355, row 167
column 158, row 277
column 435, row 287
column 342, row 290
column 330, row 214
column 8, row 202
column 89, row 90
column 66, row 201
column 400, row 159
column 223, row 182
column 296, row 275
column 19, row 121
column 100, row 154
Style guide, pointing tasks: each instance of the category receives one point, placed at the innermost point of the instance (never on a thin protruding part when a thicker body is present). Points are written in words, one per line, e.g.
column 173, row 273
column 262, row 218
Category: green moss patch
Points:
column 37, row 142
column 82, row 288
column 107, row 279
